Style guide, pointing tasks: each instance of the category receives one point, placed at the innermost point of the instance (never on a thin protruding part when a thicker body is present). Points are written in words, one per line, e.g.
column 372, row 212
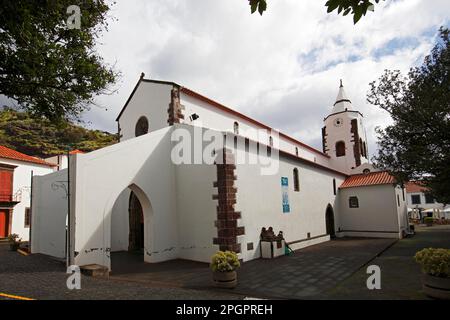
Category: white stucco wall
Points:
column 150, row 100
column 101, row 176
column 377, row 215
column 220, row 120
column 49, row 214
column 259, row 199
column 22, row 186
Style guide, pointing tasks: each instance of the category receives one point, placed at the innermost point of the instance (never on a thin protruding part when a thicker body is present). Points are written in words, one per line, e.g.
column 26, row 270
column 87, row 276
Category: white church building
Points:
column 191, row 176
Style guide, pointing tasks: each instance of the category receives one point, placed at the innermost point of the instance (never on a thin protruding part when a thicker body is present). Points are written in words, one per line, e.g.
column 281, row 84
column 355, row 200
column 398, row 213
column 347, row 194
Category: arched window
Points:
column 296, row 151
column 296, row 180
column 271, row 141
column 340, row 149
column 141, row 127
column 334, row 187
column 236, row 128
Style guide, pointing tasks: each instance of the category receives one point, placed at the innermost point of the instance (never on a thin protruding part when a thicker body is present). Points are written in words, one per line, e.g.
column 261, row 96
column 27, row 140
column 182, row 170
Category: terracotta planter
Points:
column 436, row 287
column 225, row 279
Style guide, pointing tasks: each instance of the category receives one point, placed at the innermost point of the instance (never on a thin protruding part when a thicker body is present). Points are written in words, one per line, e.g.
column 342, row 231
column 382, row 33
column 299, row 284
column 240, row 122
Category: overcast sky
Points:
column 282, row 68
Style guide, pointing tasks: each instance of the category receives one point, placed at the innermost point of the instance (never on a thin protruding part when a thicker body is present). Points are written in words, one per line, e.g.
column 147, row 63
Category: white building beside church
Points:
column 16, row 170
column 138, row 195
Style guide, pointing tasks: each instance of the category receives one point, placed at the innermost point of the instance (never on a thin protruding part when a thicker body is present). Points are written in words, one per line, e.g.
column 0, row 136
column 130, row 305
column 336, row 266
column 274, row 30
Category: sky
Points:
column 282, row 68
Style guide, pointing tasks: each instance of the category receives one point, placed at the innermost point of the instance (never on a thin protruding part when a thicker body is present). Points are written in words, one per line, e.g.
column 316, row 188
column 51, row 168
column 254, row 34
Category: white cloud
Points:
column 282, row 68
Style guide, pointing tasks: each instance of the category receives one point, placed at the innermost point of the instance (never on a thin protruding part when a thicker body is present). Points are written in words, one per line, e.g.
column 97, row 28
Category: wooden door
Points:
column 4, row 223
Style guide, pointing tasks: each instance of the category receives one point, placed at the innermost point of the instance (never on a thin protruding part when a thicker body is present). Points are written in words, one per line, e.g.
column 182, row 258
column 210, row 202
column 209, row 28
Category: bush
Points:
column 428, row 220
column 14, row 239
column 435, row 262
column 224, row 261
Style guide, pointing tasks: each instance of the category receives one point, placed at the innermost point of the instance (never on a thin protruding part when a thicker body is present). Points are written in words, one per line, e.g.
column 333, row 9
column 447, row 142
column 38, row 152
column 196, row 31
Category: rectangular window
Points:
column 334, row 186
column 27, row 217
column 415, row 199
column 403, row 193
column 429, row 198
column 398, row 201
column 353, row 202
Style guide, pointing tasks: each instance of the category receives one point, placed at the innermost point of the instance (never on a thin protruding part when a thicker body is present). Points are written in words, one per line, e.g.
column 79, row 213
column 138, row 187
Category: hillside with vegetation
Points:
column 40, row 137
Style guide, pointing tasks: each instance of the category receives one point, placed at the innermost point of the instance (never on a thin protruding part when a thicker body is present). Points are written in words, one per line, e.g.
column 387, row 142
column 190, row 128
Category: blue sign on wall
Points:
column 285, row 194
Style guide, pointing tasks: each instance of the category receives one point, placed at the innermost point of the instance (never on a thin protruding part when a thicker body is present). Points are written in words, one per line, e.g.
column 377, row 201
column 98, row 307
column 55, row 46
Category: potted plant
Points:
column 224, row 265
column 435, row 265
column 14, row 241
column 429, row 221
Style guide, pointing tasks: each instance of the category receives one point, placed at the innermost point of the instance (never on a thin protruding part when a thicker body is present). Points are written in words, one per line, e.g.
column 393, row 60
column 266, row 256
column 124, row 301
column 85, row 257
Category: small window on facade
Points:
column 141, row 127
column 236, row 128
column 353, row 202
column 271, row 141
column 403, row 193
column 296, row 180
column 296, row 151
column 340, row 149
column 361, row 150
column 247, row 145
column 415, row 199
column 429, row 198
column 269, row 151
column 398, row 200
column 334, row 187
column 365, row 150
column 27, row 217
column 235, row 142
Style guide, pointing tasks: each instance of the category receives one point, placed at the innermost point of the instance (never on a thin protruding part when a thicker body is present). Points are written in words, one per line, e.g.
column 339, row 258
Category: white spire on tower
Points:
column 342, row 102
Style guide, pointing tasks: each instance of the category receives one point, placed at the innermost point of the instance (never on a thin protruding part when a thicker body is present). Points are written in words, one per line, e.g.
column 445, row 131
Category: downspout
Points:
column 31, row 212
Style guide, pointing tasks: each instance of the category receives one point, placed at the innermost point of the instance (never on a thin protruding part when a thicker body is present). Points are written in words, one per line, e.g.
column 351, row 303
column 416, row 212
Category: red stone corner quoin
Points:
column 227, row 217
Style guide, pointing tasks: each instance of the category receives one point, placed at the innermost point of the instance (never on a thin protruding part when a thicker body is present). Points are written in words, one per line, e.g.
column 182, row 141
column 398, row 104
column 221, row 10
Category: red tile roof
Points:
column 369, row 179
column 8, row 153
column 415, row 186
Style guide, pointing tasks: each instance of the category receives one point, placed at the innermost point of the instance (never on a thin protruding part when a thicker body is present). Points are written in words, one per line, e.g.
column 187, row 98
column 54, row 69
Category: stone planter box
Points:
column 272, row 249
column 436, row 287
column 225, row 279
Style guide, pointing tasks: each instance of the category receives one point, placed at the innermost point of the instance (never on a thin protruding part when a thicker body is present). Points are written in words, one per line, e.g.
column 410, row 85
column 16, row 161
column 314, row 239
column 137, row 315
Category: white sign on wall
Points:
column 285, row 194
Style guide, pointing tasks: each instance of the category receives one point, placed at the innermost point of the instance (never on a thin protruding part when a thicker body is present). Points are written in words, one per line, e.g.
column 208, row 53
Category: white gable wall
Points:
column 150, row 100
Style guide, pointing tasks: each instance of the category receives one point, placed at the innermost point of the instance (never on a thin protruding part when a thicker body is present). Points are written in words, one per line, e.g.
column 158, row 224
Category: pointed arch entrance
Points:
column 136, row 224
column 329, row 221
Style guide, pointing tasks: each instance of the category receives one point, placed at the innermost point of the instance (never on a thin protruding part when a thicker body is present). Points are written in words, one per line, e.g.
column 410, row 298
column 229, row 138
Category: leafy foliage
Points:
column 416, row 146
column 39, row 137
column 435, row 262
column 49, row 69
column 224, row 261
column 357, row 8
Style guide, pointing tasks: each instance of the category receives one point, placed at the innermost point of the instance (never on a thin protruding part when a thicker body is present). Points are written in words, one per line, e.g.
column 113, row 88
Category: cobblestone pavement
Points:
column 303, row 275
column 40, row 277
column 400, row 274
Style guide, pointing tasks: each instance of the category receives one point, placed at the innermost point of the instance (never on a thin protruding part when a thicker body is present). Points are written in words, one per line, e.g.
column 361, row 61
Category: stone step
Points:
column 95, row 270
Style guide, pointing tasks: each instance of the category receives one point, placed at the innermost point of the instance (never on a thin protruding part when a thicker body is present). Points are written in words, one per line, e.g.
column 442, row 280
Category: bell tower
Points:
column 343, row 135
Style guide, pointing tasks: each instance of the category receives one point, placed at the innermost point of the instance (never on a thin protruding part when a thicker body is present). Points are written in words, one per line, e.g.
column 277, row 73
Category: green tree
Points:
column 39, row 137
column 417, row 145
column 49, row 68
column 357, row 8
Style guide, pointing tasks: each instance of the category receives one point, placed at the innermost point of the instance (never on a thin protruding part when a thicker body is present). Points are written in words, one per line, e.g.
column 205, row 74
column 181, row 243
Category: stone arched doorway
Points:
column 136, row 224
column 329, row 220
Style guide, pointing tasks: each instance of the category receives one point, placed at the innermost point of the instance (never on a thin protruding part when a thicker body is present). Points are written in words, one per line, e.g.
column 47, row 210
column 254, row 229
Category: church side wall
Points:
column 216, row 119
column 260, row 203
